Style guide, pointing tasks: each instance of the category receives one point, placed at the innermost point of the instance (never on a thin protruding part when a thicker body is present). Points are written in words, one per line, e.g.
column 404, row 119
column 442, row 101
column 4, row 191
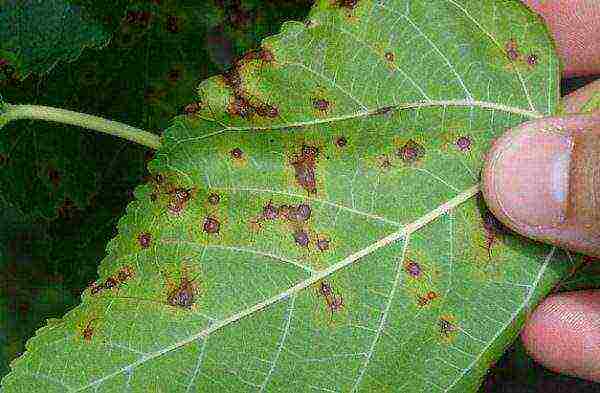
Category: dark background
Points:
column 62, row 189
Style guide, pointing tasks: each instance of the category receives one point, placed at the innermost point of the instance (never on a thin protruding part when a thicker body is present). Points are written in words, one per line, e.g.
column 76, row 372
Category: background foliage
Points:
column 58, row 211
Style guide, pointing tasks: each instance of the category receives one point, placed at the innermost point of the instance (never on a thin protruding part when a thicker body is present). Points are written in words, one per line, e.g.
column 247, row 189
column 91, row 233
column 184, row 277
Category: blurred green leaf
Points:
column 35, row 35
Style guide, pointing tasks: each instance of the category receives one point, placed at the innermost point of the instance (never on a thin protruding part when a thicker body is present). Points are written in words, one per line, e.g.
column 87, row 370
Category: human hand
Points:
column 542, row 179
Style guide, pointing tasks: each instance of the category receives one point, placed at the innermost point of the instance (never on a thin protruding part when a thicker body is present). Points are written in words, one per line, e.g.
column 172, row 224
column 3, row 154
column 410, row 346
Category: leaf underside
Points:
column 392, row 279
column 35, row 35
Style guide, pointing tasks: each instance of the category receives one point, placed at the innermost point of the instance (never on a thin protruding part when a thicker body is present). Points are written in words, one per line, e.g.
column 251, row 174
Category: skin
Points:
column 555, row 200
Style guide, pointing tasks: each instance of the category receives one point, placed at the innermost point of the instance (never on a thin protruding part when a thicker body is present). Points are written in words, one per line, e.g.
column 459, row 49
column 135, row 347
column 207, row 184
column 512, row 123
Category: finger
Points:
column 563, row 334
column 542, row 179
column 575, row 26
column 583, row 100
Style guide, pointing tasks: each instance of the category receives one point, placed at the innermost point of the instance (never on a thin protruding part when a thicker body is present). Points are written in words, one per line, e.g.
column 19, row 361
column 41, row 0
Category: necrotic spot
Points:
column 301, row 238
column 211, row 225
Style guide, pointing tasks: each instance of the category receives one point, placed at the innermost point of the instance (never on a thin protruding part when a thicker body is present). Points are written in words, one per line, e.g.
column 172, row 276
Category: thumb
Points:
column 563, row 334
column 542, row 179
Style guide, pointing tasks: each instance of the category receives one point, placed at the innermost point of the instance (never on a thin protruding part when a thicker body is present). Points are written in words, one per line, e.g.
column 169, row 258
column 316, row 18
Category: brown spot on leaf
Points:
column 303, row 212
column 183, row 295
column 237, row 153
column 413, row 268
column 411, row 152
column 350, row 4
column 446, row 327
column 144, row 239
column 270, row 212
column 211, row 225
column 214, row 199
column 321, row 104
column 463, row 143
column 301, row 238
column 125, row 273
column 325, row 289
column 95, row 288
column 267, row 110
column 532, row 59
column 322, row 244
column 304, row 166
column 110, row 283
column 427, row 298
column 240, row 107
column 389, row 56
column 88, row 330
column 512, row 51
column 384, row 162
column 341, row 142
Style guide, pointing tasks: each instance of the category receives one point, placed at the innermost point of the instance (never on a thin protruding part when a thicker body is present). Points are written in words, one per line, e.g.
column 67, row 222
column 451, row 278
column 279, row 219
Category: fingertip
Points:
column 563, row 334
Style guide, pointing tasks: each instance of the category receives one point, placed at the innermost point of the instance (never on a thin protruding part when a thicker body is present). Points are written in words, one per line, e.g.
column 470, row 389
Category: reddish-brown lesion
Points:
column 304, row 165
column 184, row 293
column 427, row 298
column 88, row 330
column 335, row 301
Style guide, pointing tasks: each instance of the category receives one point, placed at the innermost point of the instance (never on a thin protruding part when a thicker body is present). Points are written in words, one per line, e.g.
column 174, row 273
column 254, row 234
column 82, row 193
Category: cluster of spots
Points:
column 389, row 56
column 493, row 230
column 138, row 18
column 184, row 294
column 144, row 239
column 241, row 104
column 179, row 198
column 297, row 216
column 335, row 303
column 304, row 166
column 124, row 274
column 299, row 213
column 427, row 298
column 446, row 327
column 413, row 268
column 463, row 143
column 514, row 55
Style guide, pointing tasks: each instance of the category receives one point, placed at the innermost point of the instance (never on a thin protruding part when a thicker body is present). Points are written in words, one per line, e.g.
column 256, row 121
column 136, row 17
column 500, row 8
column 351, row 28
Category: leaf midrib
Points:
column 371, row 112
column 402, row 233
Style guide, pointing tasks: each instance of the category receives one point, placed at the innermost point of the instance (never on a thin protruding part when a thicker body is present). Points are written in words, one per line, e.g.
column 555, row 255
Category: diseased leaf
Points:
column 314, row 222
column 35, row 35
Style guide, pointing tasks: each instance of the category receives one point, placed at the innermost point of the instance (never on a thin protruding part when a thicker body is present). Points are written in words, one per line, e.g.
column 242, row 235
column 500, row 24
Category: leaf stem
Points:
column 39, row 112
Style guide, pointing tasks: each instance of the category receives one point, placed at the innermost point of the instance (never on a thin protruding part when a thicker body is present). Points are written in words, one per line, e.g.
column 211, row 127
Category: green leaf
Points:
column 376, row 115
column 35, row 35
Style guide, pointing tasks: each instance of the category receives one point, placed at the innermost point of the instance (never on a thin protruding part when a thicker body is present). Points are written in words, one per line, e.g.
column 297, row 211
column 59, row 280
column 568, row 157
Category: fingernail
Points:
column 527, row 176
